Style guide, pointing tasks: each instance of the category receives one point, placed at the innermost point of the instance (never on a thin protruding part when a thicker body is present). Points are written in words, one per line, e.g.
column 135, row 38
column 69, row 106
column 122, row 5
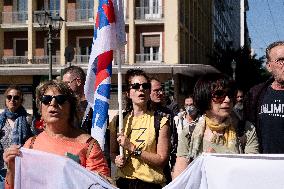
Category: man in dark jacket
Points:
column 264, row 103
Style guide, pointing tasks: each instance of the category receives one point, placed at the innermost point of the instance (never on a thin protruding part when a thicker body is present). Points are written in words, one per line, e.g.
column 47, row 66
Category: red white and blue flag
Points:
column 109, row 35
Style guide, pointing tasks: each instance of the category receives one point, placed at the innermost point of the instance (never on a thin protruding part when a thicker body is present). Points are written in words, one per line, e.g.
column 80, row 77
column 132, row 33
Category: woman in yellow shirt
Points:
column 144, row 158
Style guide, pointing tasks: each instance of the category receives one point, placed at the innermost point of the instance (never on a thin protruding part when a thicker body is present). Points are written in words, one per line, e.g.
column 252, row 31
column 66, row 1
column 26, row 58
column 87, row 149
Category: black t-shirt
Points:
column 272, row 121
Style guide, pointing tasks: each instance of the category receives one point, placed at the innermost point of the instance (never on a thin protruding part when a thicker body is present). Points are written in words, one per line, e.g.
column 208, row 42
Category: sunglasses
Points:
column 137, row 86
column 10, row 97
column 60, row 99
column 219, row 95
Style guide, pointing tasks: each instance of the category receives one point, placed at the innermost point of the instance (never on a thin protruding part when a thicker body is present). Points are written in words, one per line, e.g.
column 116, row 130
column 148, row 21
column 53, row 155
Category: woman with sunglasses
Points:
column 14, row 122
column 57, row 105
column 144, row 158
column 216, row 131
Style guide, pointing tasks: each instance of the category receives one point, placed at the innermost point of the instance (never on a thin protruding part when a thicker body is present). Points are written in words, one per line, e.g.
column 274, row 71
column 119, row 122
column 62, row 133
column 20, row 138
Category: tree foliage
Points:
column 249, row 70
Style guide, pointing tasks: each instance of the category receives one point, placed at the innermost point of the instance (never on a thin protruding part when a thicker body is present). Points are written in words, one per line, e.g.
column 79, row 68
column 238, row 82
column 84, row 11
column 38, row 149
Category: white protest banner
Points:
column 36, row 169
column 223, row 171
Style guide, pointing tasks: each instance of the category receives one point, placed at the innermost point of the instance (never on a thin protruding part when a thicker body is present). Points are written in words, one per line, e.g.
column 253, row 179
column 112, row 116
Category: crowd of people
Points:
column 157, row 141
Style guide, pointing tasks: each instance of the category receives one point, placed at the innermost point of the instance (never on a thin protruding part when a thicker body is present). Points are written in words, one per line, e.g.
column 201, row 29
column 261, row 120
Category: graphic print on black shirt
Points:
column 271, row 116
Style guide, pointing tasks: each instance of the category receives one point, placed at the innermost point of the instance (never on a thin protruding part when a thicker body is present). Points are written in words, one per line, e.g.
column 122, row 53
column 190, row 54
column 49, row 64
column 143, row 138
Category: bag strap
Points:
column 157, row 120
column 32, row 142
column 91, row 141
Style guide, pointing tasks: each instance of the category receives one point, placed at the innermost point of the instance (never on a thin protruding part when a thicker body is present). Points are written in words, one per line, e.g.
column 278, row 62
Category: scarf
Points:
column 229, row 132
column 21, row 131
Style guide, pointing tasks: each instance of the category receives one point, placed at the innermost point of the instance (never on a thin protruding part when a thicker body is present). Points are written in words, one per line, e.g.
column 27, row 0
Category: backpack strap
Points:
column 32, row 142
column 91, row 141
column 157, row 120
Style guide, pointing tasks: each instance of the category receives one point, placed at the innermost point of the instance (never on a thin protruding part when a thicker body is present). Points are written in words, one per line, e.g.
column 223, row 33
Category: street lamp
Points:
column 233, row 66
column 53, row 23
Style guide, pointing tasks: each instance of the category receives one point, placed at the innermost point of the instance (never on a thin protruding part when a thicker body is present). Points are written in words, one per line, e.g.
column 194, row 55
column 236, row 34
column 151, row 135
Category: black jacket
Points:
column 252, row 103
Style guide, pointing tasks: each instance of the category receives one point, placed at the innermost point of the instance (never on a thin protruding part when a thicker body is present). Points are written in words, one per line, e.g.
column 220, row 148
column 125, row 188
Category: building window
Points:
column 84, row 48
column 150, row 48
column 152, row 8
column 54, row 5
column 86, row 8
column 21, row 47
column 21, row 8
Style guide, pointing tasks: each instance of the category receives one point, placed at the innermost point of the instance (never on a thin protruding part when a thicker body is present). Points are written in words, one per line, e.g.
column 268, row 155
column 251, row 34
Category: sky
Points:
column 265, row 19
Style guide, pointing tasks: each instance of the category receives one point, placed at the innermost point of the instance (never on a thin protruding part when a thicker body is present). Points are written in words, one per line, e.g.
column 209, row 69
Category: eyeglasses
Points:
column 158, row 91
column 69, row 82
column 10, row 97
column 279, row 61
column 137, row 86
column 60, row 99
column 219, row 96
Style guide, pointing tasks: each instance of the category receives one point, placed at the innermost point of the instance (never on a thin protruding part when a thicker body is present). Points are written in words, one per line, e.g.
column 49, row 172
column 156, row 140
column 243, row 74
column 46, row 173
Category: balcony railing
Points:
column 14, row 60
column 44, row 60
column 153, row 58
column 15, row 17
column 149, row 13
column 80, row 15
column 82, row 59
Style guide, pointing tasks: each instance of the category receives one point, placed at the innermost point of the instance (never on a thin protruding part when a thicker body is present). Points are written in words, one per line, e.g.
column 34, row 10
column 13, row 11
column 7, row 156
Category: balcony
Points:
column 44, row 60
column 149, row 13
column 14, row 60
column 149, row 58
column 82, row 18
column 80, row 15
column 15, row 17
column 82, row 59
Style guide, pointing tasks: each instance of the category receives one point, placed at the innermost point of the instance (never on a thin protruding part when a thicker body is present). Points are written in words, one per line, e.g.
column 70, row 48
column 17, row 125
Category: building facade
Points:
column 170, row 39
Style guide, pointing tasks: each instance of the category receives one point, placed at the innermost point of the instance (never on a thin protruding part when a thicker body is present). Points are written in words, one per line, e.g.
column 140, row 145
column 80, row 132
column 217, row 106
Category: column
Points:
column 63, row 32
column 31, row 31
column 132, row 34
column 1, row 34
column 171, row 19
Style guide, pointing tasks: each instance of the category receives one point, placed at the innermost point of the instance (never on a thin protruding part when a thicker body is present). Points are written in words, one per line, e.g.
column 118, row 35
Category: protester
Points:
column 263, row 105
column 187, row 115
column 188, row 101
column 146, row 151
column 58, row 108
column 239, row 104
column 158, row 103
column 14, row 122
column 186, row 119
column 75, row 77
column 216, row 129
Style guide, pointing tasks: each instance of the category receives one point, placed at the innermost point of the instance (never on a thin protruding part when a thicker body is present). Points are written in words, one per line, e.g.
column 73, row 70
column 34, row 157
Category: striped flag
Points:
column 109, row 35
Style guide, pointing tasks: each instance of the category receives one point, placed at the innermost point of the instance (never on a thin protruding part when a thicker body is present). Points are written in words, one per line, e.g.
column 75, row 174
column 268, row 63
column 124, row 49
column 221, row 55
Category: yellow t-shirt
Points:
column 141, row 132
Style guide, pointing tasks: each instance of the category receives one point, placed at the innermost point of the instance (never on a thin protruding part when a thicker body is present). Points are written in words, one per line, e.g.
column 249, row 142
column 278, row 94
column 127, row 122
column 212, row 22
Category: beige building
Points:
column 170, row 39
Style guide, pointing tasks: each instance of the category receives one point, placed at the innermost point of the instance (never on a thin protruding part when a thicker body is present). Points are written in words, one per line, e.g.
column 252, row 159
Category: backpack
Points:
column 157, row 118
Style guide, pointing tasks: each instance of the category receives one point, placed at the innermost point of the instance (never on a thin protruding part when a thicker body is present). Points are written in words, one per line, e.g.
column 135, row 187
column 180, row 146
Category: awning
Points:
column 191, row 70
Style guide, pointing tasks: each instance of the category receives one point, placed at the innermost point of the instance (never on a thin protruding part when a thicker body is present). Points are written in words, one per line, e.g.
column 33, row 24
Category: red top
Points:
column 94, row 162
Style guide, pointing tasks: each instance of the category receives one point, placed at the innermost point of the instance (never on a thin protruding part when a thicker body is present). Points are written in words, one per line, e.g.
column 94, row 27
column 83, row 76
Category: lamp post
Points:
column 53, row 23
column 233, row 66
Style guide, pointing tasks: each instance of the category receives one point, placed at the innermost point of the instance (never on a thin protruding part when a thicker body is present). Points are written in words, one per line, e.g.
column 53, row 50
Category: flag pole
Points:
column 119, row 98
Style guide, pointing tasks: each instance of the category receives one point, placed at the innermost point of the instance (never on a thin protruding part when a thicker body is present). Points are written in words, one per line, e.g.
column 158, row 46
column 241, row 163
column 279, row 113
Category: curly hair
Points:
column 64, row 90
column 128, row 76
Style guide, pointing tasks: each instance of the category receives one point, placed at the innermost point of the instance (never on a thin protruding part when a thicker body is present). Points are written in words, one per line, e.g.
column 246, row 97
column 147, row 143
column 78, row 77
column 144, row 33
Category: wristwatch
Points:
column 137, row 152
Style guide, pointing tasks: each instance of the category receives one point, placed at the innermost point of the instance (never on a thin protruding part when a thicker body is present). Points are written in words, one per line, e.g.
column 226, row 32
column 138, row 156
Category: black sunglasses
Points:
column 138, row 85
column 10, row 97
column 219, row 96
column 60, row 99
